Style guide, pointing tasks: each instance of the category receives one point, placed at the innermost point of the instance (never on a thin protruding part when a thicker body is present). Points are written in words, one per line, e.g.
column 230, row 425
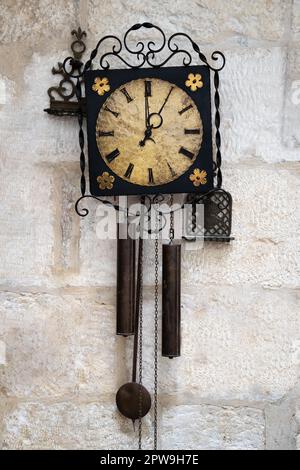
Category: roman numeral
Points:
column 186, row 153
column 148, row 88
column 126, row 94
column 150, row 176
column 111, row 156
column 106, row 134
column 192, row 131
column 184, row 110
column 173, row 173
column 129, row 170
column 112, row 112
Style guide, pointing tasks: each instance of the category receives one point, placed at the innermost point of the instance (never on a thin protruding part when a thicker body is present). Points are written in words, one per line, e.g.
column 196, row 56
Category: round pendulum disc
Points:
column 133, row 400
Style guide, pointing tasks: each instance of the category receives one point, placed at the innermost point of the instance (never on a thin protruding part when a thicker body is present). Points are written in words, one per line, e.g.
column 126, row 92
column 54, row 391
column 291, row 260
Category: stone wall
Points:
column 237, row 383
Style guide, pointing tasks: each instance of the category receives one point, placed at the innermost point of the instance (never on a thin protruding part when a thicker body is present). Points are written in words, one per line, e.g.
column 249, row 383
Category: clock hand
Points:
column 165, row 102
column 149, row 126
column 160, row 122
column 147, row 111
column 148, row 134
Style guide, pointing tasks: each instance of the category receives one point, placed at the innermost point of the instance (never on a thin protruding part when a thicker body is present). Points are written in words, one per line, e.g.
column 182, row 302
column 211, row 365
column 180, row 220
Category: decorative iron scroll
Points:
column 148, row 52
column 61, row 96
column 149, row 202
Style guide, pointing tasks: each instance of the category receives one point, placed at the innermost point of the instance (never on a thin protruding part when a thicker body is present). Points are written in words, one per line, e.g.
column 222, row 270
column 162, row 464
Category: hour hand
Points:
column 148, row 134
column 148, row 92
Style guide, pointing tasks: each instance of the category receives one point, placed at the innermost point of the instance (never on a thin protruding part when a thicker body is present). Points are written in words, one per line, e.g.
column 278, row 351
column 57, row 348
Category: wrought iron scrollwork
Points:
column 149, row 52
column 61, row 96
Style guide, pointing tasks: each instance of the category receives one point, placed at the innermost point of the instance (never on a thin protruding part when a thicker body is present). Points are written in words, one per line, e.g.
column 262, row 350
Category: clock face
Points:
column 149, row 132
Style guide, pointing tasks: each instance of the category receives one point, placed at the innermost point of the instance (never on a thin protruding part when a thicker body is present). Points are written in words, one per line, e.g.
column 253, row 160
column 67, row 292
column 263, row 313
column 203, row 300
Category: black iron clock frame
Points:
column 217, row 202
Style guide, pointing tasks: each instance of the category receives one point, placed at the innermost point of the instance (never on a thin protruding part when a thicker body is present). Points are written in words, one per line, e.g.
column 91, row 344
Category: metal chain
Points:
column 156, row 298
column 171, row 233
column 141, row 256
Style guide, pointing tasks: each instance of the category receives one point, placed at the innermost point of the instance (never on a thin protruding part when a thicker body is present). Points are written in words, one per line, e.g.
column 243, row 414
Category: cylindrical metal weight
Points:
column 125, row 284
column 171, row 299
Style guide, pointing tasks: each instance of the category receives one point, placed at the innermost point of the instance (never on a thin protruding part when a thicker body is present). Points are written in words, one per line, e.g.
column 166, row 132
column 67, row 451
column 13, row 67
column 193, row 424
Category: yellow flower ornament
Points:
column 194, row 81
column 106, row 181
column 198, row 177
column 101, row 85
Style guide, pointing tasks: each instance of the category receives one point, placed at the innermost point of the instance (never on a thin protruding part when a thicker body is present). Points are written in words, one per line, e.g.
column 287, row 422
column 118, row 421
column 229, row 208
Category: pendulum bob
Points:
column 133, row 400
column 125, row 286
column 171, row 299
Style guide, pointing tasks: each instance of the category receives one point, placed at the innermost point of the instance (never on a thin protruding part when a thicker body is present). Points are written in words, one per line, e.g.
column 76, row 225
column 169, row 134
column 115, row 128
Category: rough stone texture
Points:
column 33, row 19
column 292, row 100
column 251, row 131
column 212, row 428
column 260, row 19
column 82, row 359
column 26, row 224
column 70, row 425
column 236, row 385
column 282, row 422
column 214, row 325
column 183, row 427
column 2, row 353
column 296, row 20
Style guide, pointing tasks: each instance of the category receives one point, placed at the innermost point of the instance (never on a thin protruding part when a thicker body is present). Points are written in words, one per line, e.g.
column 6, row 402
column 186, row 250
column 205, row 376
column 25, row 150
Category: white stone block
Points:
column 296, row 20
column 95, row 425
column 88, row 426
column 237, row 344
column 2, row 92
column 212, row 428
column 206, row 21
column 34, row 19
column 292, row 100
column 2, row 353
column 26, row 239
column 60, row 344
column 253, row 84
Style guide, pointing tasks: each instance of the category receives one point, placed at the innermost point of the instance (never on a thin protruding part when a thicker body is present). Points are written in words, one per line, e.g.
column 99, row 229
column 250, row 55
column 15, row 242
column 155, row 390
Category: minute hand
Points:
column 166, row 100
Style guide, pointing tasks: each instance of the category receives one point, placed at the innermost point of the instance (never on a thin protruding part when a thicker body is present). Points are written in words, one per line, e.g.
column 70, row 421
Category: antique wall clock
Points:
column 149, row 129
column 151, row 134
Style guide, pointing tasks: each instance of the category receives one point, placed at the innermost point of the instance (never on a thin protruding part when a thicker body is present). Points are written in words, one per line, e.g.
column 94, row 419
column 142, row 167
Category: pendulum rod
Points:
column 133, row 399
column 138, row 337
column 138, row 310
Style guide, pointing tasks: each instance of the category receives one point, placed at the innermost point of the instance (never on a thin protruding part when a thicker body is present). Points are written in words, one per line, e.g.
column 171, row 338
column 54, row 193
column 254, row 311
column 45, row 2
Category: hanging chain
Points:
column 138, row 339
column 141, row 256
column 156, row 298
column 171, row 233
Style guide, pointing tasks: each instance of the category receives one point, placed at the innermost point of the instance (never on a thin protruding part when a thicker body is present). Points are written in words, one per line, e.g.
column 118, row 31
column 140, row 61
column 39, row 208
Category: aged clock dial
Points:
column 149, row 132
